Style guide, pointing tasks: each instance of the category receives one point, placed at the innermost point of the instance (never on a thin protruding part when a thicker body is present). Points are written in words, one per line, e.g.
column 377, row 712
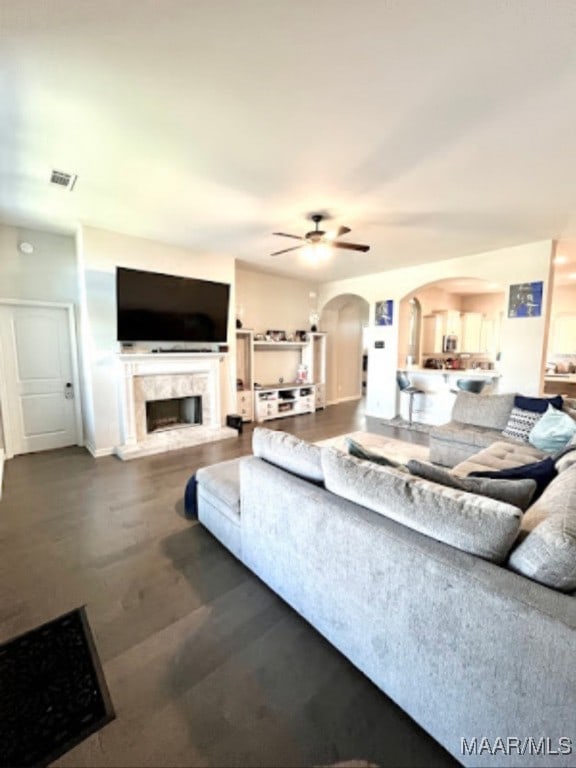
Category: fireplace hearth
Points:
column 173, row 413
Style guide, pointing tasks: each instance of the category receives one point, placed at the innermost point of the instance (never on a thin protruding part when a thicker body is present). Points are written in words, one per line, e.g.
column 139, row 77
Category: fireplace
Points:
column 173, row 413
column 170, row 401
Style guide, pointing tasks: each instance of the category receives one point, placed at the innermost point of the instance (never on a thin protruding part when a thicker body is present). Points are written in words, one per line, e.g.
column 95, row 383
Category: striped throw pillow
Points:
column 520, row 424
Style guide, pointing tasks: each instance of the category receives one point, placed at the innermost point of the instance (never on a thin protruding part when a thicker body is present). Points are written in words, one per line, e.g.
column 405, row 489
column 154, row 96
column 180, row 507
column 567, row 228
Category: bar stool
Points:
column 469, row 385
column 407, row 389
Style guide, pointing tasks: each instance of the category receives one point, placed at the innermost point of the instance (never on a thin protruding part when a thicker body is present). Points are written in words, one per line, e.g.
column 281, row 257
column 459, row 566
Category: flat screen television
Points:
column 157, row 307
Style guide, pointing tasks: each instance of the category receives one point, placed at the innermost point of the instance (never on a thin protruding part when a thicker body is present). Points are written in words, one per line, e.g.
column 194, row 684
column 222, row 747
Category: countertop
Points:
column 461, row 373
column 566, row 378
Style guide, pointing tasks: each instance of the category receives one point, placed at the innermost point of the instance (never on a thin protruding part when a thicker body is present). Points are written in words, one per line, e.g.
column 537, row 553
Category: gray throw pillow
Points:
column 490, row 411
column 289, row 453
column 548, row 553
column 519, row 493
column 357, row 450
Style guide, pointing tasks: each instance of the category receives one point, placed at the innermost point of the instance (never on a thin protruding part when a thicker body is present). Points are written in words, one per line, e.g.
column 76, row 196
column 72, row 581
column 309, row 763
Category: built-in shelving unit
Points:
column 245, row 374
column 274, row 401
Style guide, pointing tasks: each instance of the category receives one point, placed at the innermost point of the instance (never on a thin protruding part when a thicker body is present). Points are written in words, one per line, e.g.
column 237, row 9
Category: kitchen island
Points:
column 439, row 387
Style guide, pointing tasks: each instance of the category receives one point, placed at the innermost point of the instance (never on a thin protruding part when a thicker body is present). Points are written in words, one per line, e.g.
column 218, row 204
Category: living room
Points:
column 182, row 140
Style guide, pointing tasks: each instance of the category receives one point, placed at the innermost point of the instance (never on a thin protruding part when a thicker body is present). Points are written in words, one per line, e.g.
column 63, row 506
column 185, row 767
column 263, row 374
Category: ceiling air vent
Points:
column 62, row 179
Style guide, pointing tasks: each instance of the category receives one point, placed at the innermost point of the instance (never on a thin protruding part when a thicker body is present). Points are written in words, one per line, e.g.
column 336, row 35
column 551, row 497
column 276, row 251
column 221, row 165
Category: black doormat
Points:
column 52, row 691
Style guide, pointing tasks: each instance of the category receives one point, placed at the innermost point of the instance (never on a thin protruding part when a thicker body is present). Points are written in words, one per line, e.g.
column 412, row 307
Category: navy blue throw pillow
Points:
column 538, row 404
column 190, row 499
column 542, row 471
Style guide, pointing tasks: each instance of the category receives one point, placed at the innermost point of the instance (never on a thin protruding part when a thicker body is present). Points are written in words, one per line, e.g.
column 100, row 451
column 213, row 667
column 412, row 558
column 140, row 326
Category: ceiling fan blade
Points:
column 295, row 248
column 283, row 234
column 342, row 231
column 350, row 246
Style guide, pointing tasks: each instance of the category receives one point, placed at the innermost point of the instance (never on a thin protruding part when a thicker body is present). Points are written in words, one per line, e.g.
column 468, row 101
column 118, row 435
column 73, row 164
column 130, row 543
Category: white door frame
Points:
column 7, row 418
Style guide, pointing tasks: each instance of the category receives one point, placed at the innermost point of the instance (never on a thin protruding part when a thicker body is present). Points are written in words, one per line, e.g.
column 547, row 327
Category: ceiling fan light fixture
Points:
column 316, row 253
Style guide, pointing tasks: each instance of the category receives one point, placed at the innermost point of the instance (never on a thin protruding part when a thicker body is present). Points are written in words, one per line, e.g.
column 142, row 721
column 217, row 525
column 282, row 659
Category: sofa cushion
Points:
column 500, row 455
column 548, row 553
column 519, row 493
column 222, row 482
column 289, row 453
column 490, row 411
column 553, row 431
column 466, row 434
column 520, row 424
column 538, row 404
column 542, row 471
column 472, row 523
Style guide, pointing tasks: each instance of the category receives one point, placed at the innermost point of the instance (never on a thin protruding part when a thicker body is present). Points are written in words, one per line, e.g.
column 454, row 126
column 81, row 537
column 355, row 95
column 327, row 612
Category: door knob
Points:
column 69, row 391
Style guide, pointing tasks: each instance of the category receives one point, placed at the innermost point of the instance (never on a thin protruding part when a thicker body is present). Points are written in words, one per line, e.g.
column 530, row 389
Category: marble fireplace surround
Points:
column 146, row 377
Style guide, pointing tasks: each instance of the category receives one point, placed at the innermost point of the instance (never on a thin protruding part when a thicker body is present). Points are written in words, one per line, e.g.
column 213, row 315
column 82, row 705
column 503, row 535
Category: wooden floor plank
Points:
column 206, row 666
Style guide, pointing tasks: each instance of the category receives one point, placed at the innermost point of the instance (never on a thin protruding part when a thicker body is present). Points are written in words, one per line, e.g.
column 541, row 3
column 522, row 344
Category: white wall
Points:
column 99, row 253
column 272, row 302
column 523, row 339
column 47, row 274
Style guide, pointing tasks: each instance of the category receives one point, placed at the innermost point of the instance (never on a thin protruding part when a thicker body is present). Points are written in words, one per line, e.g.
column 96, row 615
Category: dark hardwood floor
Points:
column 206, row 666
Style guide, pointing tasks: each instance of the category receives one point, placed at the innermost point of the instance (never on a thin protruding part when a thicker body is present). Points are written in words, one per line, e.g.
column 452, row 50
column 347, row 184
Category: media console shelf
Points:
column 275, row 401
column 251, row 402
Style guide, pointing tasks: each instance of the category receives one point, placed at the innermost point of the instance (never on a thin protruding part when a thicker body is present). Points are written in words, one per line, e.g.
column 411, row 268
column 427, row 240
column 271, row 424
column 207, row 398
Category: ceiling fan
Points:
column 319, row 236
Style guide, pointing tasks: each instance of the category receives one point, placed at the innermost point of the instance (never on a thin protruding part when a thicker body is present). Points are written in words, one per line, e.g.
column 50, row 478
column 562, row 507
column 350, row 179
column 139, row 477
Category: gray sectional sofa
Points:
column 412, row 581
column 477, row 422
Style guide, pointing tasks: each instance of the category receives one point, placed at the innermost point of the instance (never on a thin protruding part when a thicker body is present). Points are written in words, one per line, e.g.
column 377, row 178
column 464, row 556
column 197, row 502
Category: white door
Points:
column 38, row 381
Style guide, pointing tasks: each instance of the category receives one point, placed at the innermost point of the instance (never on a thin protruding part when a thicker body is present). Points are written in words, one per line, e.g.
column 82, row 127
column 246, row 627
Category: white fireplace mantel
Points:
column 203, row 366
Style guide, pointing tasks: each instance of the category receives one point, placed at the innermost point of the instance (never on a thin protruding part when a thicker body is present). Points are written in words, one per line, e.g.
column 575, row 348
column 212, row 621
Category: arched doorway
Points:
column 468, row 309
column 344, row 319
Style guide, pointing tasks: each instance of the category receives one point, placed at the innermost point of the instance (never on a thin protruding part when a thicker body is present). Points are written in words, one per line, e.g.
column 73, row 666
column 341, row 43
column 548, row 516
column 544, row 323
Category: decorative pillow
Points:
column 553, row 431
column 520, row 424
column 548, row 553
column 359, row 452
column 191, row 499
column 566, row 457
column 474, row 524
column 542, row 471
column 538, row 404
column 289, row 453
column 490, row 411
column 519, row 493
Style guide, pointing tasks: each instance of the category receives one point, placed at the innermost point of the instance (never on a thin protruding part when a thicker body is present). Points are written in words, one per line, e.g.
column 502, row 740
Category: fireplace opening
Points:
column 175, row 413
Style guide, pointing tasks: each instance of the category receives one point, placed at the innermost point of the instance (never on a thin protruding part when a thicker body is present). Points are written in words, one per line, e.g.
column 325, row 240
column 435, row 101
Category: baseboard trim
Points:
column 2, row 457
column 98, row 453
column 343, row 400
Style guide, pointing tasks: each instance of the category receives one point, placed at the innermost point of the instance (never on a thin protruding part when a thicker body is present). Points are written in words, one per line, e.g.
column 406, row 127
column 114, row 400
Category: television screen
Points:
column 156, row 307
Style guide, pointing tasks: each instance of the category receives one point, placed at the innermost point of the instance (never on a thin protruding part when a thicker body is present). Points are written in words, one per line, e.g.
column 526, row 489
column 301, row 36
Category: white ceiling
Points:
column 433, row 128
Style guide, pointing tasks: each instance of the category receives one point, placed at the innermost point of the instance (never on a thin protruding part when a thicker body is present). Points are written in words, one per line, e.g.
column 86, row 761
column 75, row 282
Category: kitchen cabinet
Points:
column 471, row 324
column 488, row 336
column 432, row 330
column 451, row 322
column 436, row 326
column 563, row 337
